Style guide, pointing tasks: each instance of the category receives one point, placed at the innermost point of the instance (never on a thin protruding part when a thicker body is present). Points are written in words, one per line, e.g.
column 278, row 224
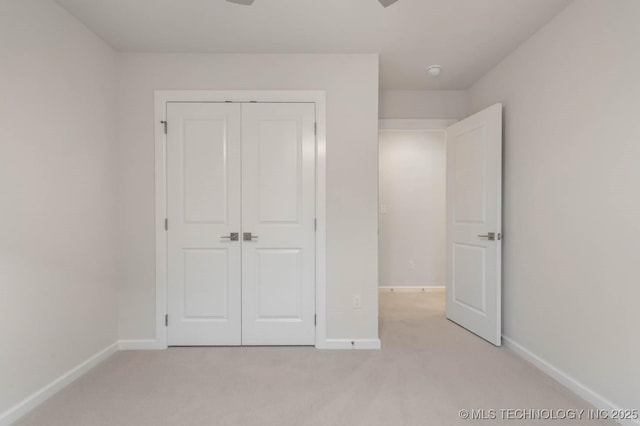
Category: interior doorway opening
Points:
column 440, row 214
column 411, row 223
column 412, row 209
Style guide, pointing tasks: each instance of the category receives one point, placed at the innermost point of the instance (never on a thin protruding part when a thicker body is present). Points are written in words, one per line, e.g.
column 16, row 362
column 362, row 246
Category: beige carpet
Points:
column 428, row 370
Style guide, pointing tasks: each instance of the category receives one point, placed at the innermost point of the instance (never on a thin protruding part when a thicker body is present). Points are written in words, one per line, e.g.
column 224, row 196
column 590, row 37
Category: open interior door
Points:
column 474, row 223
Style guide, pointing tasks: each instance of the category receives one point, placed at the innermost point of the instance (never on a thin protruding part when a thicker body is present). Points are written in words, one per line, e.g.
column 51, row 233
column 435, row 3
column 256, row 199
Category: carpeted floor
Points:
column 427, row 371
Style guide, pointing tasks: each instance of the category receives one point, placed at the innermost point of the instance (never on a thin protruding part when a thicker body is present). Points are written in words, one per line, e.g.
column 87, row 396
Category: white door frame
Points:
column 414, row 124
column 161, row 97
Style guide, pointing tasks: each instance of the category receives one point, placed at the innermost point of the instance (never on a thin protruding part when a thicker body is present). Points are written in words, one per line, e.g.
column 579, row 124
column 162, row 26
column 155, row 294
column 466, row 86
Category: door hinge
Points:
column 315, row 319
column 166, row 320
column 166, row 224
column 164, row 123
column 315, row 129
column 315, row 224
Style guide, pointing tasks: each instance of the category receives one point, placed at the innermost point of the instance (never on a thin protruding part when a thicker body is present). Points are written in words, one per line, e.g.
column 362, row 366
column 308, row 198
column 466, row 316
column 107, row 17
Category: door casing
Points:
column 161, row 98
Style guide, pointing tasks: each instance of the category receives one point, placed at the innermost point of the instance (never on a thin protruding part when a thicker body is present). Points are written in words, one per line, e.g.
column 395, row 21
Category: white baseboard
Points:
column 139, row 345
column 36, row 398
column 150, row 344
column 409, row 288
column 574, row 385
column 351, row 344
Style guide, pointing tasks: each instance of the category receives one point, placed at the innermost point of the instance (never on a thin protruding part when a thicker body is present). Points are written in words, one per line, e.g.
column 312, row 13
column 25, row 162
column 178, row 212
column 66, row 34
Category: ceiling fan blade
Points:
column 243, row 2
column 385, row 3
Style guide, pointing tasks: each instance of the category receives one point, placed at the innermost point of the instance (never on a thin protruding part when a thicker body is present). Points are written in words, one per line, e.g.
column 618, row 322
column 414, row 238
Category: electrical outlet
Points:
column 357, row 301
column 412, row 265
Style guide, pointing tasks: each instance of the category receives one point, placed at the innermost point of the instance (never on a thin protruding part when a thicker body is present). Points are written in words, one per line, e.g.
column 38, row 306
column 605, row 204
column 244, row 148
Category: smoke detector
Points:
column 434, row 70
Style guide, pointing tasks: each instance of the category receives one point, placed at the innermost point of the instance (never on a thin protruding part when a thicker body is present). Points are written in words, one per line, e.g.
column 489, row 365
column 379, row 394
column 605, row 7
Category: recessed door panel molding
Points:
column 280, row 284
column 205, row 170
column 203, row 209
column 474, row 223
column 469, row 288
column 278, row 210
column 280, row 171
column 469, row 181
column 206, row 283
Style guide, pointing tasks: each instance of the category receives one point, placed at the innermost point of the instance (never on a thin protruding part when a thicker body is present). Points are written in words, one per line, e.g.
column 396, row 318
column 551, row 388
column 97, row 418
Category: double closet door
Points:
column 241, row 223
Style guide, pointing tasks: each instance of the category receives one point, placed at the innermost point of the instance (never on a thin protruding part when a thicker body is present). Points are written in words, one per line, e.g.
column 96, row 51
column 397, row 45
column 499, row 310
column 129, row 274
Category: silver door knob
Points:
column 491, row 236
column 248, row 237
column 233, row 236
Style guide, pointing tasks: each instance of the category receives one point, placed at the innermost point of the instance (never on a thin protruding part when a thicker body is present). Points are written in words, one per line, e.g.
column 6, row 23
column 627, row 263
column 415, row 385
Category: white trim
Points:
column 160, row 114
column 565, row 379
column 139, row 345
column 388, row 124
column 352, row 344
column 410, row 289
column 161, row 97
column 44, row 393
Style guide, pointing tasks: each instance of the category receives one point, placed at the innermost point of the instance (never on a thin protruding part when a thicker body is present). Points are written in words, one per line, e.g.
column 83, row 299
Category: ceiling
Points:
column 466, row 37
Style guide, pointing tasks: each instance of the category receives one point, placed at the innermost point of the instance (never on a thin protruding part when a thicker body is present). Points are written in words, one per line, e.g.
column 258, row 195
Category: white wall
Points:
column 351, row 83
column 572, row 194
column 57, row 196
column 412, row 208
column 423, row 104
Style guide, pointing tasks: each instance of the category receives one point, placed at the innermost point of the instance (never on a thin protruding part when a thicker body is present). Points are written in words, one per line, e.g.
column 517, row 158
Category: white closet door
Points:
column 203, row 180
column 474, row 223
column 278, row 212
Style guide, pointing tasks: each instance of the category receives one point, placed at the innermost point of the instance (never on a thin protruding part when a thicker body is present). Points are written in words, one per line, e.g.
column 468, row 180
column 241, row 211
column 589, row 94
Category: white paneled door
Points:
column 474, row 223
column 278, row 213
column 203, row 193
column 241, row 240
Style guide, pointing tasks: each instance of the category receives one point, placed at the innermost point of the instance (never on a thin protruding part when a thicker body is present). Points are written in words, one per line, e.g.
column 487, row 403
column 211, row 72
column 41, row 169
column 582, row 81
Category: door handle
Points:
column 491, row 236
column 248, row 237
column 234, row 236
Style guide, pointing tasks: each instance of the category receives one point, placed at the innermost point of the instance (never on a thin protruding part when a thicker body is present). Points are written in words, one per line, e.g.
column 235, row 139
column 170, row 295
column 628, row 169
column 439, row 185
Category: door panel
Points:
column 204, row 168
column 206, row 280
column 468, row 282
column 278, row 209
column 203, row 181
column 280, row 279
column 474, row 205
column 279, row 171
column 469, row 179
